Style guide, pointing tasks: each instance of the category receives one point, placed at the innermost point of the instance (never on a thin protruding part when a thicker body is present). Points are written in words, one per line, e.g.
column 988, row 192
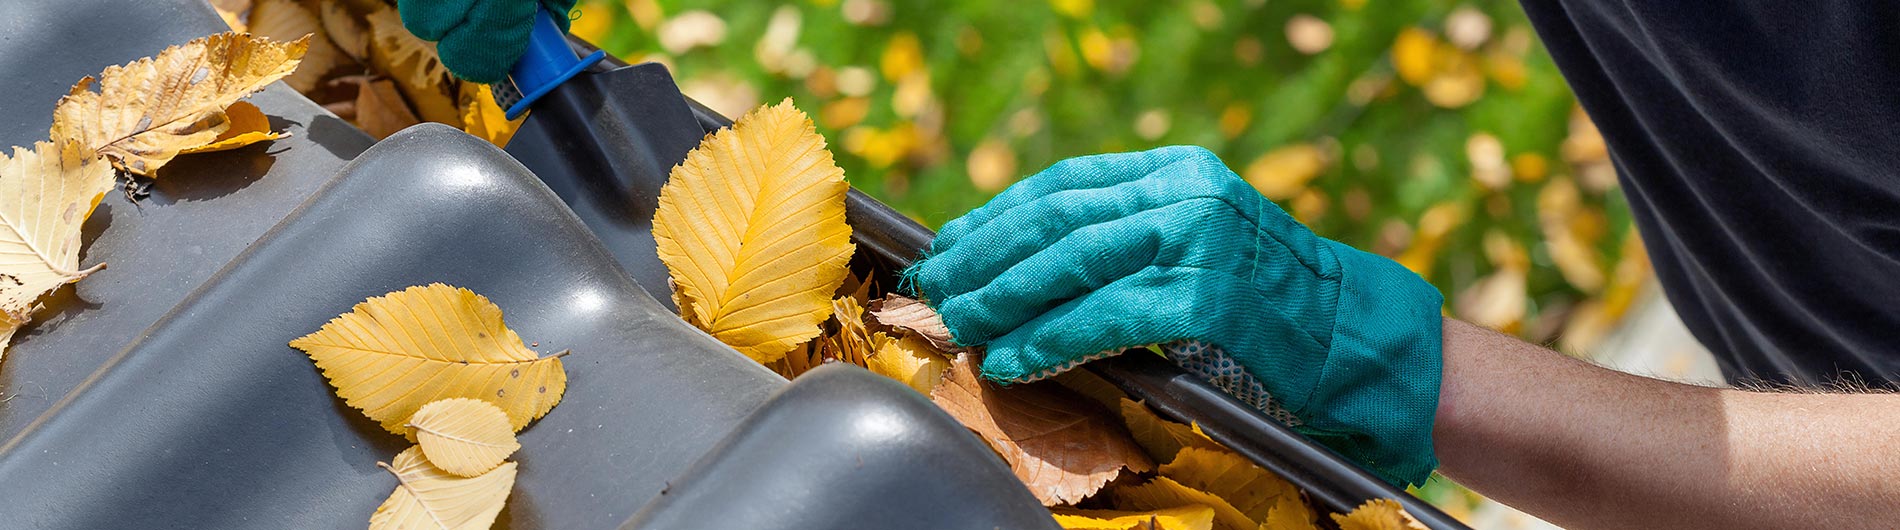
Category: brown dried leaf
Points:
column 380, row 110
column 148, row 110
column 912, row 315
column 1058, row 443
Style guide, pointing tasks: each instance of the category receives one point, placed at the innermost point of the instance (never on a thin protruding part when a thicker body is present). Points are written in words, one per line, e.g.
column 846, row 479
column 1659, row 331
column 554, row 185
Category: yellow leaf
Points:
column 466, row 437
column 910, row 360
column 1059, row 444
column 853, row 342
column 394, row 353
column 413, row 63
column 407, row 56
column 428, row 497
column 484, row 119
column 289, row 20
column 1289, row 513
column 146, row 111
column 348, row 31
column 1190, row 517
column 751, row 227
column 1162, row 439
column 46, row 193
column 1378, row 514
column 1164, row 492
column 233, row 12
column 1248, row 488
column 248, row 126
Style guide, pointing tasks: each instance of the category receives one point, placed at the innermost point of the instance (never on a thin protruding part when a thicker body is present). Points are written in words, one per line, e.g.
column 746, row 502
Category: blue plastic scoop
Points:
column 547, row 63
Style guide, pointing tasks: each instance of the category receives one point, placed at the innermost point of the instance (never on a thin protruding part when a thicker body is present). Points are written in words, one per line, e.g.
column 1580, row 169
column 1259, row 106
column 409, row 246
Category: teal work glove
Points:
column 1101, row 253
column 479, row 40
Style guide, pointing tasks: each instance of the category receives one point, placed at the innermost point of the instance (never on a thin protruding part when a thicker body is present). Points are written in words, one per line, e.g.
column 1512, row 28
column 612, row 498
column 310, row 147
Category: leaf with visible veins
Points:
column 1062, row 445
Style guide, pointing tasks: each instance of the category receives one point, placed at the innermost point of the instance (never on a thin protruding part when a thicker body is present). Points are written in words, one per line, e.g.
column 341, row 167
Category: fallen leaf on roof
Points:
column 147, row 111
column 1061, row 445
column 46, row 193
column 466, row 437
column 248, row 126
column 428, row 497
column 392, row 354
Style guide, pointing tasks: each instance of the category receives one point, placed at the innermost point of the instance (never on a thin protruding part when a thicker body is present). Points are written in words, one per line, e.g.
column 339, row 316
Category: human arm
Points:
column 1587, row 447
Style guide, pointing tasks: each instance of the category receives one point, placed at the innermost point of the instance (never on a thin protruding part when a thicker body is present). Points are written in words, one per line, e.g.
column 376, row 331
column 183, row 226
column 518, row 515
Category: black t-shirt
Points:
column 1758, row 143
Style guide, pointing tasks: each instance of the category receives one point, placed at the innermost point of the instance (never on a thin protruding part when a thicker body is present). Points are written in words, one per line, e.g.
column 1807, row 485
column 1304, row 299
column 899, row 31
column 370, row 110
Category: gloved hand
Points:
column 479, row 40
column 1101, row 253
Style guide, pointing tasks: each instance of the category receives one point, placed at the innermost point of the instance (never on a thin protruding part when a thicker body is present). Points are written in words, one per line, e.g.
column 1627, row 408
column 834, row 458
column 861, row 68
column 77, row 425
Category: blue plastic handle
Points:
column 547, row 63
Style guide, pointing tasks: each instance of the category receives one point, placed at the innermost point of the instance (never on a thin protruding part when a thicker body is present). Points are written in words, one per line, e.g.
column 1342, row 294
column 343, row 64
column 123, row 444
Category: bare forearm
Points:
column 1587, row 447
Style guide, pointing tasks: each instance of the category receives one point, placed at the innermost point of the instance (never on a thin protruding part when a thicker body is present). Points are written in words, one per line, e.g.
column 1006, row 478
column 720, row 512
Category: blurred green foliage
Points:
column 1438, row 133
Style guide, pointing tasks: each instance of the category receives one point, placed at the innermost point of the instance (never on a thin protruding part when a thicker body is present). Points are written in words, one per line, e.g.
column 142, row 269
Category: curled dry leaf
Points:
column 46, row 193
column 1378, row 514
column 289, row 20
column 912, row 315
column 1162, row 439
column 428, row 497
column 1190, row 517
column 248, row 126
column 910, row 360
column 1246, row 487
column 1059, row 444
column 1164, row 492
column 751, row 228
column 464, row 436
column 852, row 342
column 392, row 354
column 146, row 111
